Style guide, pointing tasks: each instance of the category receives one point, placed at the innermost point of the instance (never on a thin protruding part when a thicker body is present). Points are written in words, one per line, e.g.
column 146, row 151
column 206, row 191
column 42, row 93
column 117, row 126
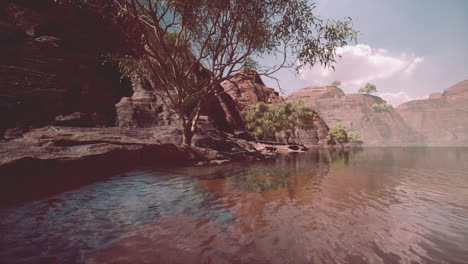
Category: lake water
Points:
column 375, row 205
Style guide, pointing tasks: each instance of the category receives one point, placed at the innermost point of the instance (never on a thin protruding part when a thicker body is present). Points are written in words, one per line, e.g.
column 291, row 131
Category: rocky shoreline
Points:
column 52, row 159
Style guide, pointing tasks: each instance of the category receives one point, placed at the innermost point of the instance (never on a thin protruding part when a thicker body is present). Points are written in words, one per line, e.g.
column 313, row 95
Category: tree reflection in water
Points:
column 327, row 206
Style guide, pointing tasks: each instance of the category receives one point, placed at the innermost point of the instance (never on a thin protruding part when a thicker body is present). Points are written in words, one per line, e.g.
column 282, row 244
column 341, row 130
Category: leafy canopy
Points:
column 264, row 120
column 189, row 47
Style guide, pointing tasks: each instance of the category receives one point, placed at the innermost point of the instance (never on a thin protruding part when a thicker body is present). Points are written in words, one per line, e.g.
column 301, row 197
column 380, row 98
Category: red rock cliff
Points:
column 355, row 111
column 442, row 119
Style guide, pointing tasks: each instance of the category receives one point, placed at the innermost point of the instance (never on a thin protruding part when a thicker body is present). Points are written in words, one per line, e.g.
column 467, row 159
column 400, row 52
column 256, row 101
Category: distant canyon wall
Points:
column 355, row 111
column 441, row 120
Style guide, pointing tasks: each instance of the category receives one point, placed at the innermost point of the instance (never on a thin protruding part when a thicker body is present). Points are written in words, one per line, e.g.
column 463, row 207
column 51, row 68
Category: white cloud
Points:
column 398, row 97
column 360, row 64
column 409, row 70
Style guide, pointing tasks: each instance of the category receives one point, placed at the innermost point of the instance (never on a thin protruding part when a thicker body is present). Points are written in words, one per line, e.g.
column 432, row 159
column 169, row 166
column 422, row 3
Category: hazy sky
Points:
column 408, row 48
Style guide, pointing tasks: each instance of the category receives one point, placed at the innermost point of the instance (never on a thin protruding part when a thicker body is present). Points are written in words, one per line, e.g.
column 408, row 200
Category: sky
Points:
column 407, row 48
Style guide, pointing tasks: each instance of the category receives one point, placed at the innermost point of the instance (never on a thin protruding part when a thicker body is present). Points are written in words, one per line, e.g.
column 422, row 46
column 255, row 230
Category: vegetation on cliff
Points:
column 264, row 121
column 382, row 107
column 340, row 135
column 189, row 48
column 368, row 89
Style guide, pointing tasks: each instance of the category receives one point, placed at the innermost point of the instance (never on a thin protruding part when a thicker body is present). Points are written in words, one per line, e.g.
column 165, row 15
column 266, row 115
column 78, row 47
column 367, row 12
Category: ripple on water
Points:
column 372, row 206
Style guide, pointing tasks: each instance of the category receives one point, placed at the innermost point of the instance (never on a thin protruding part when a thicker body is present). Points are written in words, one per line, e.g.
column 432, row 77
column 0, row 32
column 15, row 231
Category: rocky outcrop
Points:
column 442, row 119
column 52, row 64
column 317, row 135
column 247, row 89
column 53, row 159
column 145, row 109
column 355, row 111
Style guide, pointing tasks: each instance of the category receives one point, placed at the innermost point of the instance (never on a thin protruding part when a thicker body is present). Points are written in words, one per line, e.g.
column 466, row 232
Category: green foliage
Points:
column 251, row 64
column 259, row 120
column 335, row 83
column 263, row 120
column 190, row 47
column 339, row 135
column 383, row 107
column 368, row 89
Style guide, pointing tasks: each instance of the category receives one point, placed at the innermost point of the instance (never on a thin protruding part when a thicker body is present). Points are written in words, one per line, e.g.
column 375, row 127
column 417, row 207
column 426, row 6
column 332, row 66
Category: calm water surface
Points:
column 392, row 205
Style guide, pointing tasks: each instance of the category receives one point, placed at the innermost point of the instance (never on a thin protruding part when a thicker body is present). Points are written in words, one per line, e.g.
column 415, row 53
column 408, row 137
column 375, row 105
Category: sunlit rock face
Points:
column 385, row 128
column 247, row 89
column 442, row 119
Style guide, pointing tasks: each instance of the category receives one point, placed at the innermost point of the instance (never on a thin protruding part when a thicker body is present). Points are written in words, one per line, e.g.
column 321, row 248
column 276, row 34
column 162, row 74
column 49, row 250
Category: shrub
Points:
column 383, row 107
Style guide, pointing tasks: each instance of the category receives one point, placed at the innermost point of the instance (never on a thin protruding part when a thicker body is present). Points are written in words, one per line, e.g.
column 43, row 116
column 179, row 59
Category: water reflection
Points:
column 325, row 207
column 365, row 206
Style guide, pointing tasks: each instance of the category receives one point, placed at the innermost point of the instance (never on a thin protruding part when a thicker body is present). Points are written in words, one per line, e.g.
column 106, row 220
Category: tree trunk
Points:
column 187, row 136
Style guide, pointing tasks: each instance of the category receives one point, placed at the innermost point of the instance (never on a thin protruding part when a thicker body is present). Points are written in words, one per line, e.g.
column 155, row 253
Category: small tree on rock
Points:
column 339, row 135
column 368, row 89
column 335, row 83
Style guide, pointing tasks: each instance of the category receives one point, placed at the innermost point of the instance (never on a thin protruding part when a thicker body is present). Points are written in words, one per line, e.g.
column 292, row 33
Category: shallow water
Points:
column 375, row 205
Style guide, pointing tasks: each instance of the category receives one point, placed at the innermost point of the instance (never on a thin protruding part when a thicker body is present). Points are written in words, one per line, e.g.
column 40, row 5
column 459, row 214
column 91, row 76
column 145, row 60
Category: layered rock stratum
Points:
column 442, row 118
column 355, row 111
column 51, row 64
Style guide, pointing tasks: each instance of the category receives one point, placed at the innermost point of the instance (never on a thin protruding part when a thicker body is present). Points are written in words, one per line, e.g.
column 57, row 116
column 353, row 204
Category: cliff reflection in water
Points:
column 370, row 206
column 375, row 205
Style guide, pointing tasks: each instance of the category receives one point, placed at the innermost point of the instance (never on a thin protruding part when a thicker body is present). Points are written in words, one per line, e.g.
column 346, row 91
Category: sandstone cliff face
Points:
column 51, row 64
column 442, row 119
column 145, row 109
column 247, row 89
column 356, row 113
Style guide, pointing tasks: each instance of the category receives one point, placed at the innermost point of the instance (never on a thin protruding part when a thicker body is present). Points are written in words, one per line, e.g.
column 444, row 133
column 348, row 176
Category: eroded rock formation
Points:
column 51, row 64
column 355, row 111
column 442, row 119
column 145, row 109
column 247, row 89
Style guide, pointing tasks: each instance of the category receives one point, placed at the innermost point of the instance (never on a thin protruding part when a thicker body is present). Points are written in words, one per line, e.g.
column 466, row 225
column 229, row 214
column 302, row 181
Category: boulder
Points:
column 355, row 111
column 442, row 119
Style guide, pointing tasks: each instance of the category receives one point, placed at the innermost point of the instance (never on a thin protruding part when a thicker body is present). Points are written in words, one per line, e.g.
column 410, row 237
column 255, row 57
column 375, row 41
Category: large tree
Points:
column 189, row 47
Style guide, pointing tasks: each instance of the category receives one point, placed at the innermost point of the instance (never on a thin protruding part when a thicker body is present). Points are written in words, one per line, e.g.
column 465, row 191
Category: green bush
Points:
column 264, row 121
column 383, row 107
column 339, row 135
